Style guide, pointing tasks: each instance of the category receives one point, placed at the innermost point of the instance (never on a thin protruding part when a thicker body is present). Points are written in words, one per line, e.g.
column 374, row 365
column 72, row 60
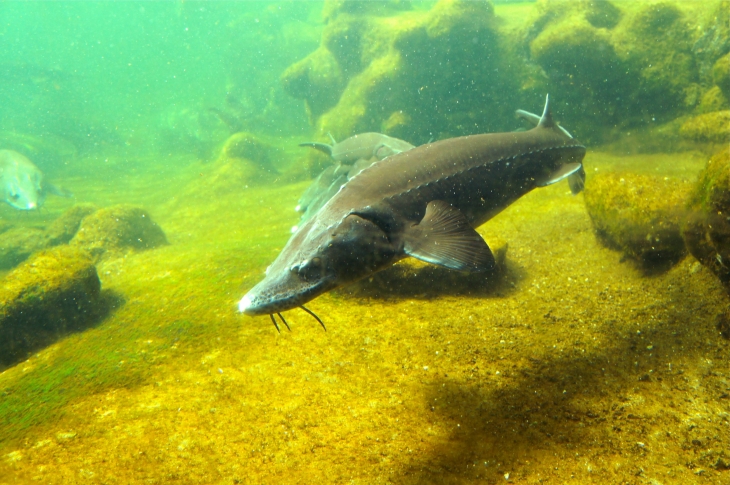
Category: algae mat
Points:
column 573, row 368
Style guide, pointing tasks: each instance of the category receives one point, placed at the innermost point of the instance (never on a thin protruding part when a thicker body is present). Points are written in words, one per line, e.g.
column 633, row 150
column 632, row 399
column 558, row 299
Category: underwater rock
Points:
column 638, row 214
column 115, row 230
column 721, row 74
column 63, row 229
column 250, row 147
column 709, row 127
column 244, row 159
column 712, row 100
column 614, row 64
column 399, row 68
column 55, row 292
column 18, row 243
column 707, row 229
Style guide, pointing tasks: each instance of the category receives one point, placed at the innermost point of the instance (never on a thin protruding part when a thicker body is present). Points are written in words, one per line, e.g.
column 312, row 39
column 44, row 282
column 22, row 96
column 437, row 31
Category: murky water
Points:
column 592, row 355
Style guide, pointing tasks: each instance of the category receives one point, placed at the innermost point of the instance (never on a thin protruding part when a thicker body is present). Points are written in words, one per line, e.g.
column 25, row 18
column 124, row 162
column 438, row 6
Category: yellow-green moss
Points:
column 384, row 61
column 711, row 127
column 707, row 229
column 638, row 214
column 112, row 231
column 52, row 293
column 17, row 243
column 712, row 100
column 721, row 74
column 63, row 229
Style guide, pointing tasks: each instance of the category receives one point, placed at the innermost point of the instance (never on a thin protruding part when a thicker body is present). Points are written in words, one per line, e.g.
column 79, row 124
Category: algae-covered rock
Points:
column 707, row 229
column 116, row 230
column 414, row 74
column 250, row 147
column 712, row 100
column 55, row 292
column 18, row 243
column 615, row 63
column 711, row 127
column 638, row 214
column 721, row 74
column 63, row 229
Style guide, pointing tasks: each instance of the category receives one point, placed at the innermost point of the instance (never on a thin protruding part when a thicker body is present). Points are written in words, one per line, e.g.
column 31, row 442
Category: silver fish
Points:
column 22, row 184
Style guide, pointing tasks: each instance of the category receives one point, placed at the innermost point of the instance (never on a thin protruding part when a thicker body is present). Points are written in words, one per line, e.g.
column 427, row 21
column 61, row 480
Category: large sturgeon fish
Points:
column 423, row 203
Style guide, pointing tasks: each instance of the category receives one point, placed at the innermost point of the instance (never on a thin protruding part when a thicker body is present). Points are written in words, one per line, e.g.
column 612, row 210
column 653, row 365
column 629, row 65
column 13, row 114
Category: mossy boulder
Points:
column 615, row 64
column 721, row 74
column 414, row 74
column 638, row 214
column 18, row 243
column 117, row 230
column 707, row 229
column 244, row 145
column 63, row 229
column 711, row 127
column 53, row 293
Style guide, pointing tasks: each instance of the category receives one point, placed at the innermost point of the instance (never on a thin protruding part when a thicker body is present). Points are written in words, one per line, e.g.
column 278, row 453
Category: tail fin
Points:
column 322, row 147
column 52, row 189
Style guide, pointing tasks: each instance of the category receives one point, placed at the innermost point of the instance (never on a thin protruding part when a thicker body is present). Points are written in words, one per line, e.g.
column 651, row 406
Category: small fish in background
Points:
column 351, row 155
column 363, row 146
column 22, row 184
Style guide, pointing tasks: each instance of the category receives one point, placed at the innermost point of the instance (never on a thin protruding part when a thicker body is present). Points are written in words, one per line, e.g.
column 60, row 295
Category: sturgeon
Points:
column 22, row 184
column 362, row 146
column 423, row 203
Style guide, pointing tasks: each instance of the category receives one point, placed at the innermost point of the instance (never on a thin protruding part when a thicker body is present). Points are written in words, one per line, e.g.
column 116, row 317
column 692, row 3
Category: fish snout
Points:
column 248, row 306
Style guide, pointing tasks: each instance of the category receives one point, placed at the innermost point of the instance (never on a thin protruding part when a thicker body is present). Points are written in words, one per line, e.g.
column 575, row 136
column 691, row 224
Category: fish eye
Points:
column 309, row 270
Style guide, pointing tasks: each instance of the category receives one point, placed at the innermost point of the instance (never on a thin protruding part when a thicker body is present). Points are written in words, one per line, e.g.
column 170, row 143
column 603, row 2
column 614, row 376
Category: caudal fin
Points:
column 61, row 192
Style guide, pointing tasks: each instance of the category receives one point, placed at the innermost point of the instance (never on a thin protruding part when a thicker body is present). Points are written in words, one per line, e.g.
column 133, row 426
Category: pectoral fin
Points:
column 577, row 181
column 564, row 171
column 444, row 237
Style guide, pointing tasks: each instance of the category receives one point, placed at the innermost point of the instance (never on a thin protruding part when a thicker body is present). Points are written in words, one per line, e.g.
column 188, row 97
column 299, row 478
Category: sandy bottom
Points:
column 573, row 367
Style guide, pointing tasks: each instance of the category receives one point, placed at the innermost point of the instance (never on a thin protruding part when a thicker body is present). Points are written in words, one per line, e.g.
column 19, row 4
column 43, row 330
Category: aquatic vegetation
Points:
column 707, row 230
column 638, row 214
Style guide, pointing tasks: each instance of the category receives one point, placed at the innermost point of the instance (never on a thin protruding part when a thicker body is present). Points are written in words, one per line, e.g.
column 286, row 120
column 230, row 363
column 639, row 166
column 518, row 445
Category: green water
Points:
column 577, row 364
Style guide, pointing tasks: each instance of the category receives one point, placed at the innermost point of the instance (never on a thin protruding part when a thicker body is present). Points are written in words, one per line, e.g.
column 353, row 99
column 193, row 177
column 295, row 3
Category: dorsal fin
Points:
column 546, row 120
